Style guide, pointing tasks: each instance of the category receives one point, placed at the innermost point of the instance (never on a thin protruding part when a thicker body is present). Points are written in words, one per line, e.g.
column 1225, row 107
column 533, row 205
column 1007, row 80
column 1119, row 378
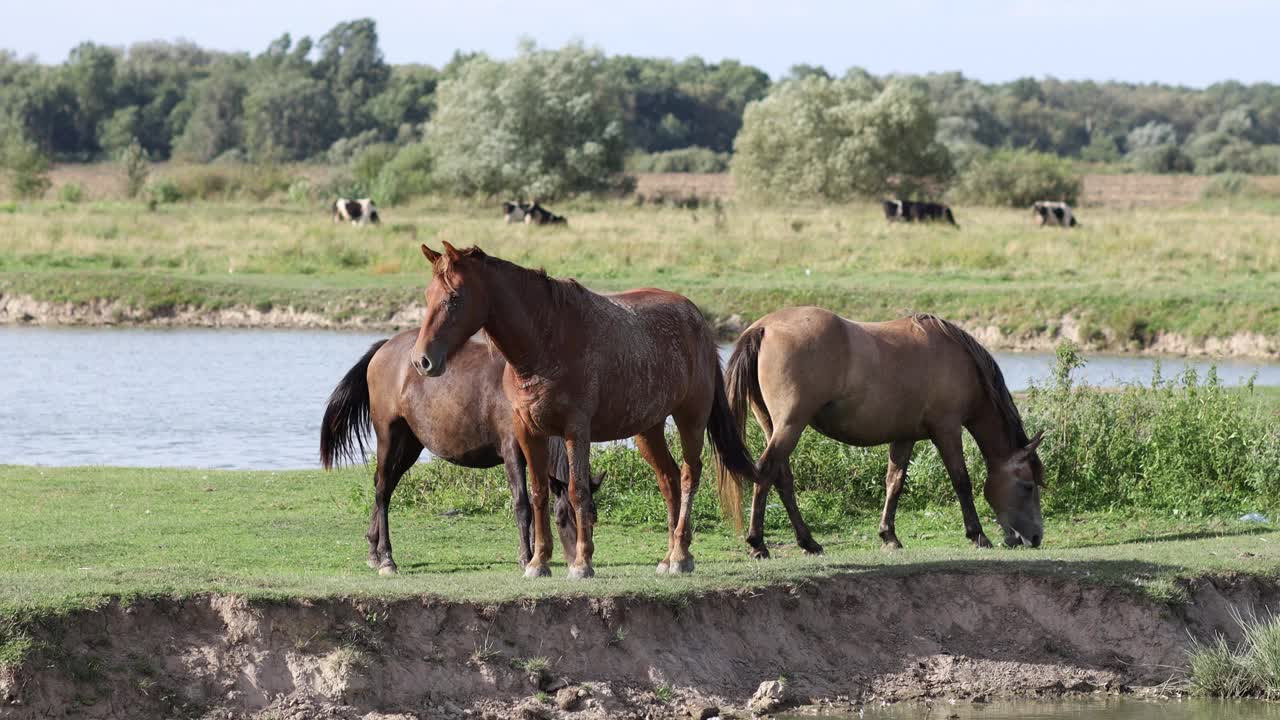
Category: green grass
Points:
column 1252, row 670
column 74, row 536
column 1125, row 275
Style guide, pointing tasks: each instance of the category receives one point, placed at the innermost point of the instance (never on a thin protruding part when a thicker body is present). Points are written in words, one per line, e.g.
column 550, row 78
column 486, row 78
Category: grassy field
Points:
column 1201, row 271
column 72, row 536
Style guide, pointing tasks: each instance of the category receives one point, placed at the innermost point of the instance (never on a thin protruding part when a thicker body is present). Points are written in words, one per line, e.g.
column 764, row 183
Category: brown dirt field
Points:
column 677, row 185
column 850, row 639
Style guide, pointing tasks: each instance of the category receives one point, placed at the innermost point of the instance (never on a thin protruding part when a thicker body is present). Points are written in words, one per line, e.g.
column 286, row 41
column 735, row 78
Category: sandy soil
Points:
column 846, row 640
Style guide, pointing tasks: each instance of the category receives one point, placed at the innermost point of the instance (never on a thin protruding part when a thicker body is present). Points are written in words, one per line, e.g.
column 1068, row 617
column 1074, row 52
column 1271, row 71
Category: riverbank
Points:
column 1186, row 280
column 187, row 592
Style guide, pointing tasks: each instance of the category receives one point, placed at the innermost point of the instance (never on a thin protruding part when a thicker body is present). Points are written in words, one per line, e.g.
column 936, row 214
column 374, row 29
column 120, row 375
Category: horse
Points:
column 355, row 211
column 463, row 418
column 588, row 367
column 865, row 384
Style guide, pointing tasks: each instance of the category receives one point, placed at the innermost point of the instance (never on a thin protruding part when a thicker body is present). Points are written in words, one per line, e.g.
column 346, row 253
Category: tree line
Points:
column 550, row 121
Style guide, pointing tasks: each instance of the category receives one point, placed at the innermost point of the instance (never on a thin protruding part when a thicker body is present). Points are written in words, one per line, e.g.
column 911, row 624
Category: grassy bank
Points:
column 1124, row 277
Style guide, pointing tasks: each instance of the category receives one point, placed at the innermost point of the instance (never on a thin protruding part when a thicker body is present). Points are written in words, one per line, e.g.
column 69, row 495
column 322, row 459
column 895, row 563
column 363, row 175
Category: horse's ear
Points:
column 597, row 481
column 451, row 251
column 431, row 255
column 1035, row 443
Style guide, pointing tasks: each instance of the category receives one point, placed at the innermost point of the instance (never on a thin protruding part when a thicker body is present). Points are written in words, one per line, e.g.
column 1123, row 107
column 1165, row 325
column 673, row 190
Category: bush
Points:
column 1252, row 670
column 545, row 124
column 1228, row 185
column 1018, row 178
column 367, row 164
column 1240, row 157
column 344, row 150
column 684, row 160
column 28, row 166
column 133, row 161
column 404, row 176
column 72, row 192
column 1161, row 159
column 163, row 192
column 833, row 139
column 208, row 183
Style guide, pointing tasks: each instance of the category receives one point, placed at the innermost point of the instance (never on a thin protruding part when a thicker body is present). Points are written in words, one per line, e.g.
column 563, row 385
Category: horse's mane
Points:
column 562, row 292
column 991, row 377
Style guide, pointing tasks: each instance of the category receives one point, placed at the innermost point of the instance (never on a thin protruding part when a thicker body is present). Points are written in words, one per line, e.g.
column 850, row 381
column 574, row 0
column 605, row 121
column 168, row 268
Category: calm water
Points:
column 254, row 398
column 1069, row 710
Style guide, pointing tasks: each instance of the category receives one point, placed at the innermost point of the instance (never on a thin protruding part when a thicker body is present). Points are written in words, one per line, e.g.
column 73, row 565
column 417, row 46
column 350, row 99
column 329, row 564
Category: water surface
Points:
column 254, row 398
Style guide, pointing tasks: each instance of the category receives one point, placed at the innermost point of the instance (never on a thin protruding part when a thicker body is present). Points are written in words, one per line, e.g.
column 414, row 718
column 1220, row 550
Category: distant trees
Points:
column 544, row 124
column 822, row 138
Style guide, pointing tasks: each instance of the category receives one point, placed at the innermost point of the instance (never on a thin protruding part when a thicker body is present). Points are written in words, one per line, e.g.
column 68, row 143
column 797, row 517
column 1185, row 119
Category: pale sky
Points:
column 1188, row 42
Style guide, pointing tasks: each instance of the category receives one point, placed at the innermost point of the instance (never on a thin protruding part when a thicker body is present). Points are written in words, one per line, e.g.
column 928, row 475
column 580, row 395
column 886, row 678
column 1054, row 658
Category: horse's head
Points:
column 1013, row 491
column 457, row 306
column 566, row 519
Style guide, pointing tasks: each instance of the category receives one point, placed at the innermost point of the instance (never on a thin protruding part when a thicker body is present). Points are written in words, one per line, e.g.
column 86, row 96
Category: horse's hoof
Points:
column 759, row 553
column 891, row 545
column 811, row 548
column 388, row 569
column 581, row 572
column 537, row 571
column 681, row 567
column 982, row 542
column 663, row 567
column 374, row 562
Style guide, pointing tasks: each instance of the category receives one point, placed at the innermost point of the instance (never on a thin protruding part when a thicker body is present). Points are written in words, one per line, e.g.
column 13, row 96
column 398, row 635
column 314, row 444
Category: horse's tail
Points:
column 345, row 427
column 743, row 385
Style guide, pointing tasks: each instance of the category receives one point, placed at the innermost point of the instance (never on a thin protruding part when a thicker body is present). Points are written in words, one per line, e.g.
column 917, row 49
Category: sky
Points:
column 1183, row 42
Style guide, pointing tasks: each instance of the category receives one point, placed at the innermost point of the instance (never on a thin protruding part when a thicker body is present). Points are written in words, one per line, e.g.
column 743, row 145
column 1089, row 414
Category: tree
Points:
column 216, row 122
column 543, row 125
column 90, row 74
column 27, row 164
column 289, row 117
column 832, row 139
column 352, row 66
column 1018, row 178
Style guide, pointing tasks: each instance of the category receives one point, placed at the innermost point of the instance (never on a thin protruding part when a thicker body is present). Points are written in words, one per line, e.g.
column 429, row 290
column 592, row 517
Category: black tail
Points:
column 952, row 219
column 345, row 427
column 743, row 385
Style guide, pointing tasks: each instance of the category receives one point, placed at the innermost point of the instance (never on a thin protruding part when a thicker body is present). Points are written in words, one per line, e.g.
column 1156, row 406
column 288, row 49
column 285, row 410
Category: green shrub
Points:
column 209, row 182
column 1228, row 185
column 133, row 161
column 404, row 176
column 1161, row 159
column 72, row 192
column 1252, row 670
column 163, row 192
column 27, row 164
column 1018, row 178
column 684, row 160
column 301, row 191
column 367, row 164
column 1240, row 157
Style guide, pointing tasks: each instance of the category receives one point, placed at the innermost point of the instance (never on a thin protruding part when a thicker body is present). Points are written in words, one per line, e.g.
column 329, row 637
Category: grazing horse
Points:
column 1049, row 212
column 515, row 211
column 588, row 367
column 910, row 211
column 535, row 214
column 355, row 211
column 867, row 384
column 463, row 418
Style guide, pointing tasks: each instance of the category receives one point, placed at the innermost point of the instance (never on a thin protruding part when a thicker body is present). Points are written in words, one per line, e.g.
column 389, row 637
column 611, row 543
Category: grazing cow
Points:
column 910, row 211
column 538, row 215
column 357, row 211
column 515, row 211
column 1049, row 212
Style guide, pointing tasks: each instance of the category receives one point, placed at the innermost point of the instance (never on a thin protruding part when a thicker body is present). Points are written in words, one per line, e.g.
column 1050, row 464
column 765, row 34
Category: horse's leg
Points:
column 894, row 479
column 402, row 451
column 692, row 436
column 577, row 446
column 786, row 486
column 534, row 448
column 950, row 446
column 513, row 463
column 772, row 464
column 652, row 445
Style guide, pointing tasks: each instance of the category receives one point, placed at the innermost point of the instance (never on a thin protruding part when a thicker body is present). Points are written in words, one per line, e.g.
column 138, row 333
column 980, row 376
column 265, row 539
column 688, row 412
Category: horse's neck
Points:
column 522, row 321
column 988, row 431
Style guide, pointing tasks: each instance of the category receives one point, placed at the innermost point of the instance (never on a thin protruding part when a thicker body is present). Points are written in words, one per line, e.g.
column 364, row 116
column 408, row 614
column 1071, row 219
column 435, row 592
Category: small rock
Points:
column 567, row 698
column 1254, row 517
column 769, row 697
column 702, row 711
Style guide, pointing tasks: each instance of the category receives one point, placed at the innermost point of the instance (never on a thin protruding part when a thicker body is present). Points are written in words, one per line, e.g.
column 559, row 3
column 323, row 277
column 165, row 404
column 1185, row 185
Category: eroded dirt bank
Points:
column 24, row 310
column 852, row 638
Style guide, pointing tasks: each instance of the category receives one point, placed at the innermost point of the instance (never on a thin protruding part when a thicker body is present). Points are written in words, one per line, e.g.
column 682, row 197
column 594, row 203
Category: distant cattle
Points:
column 513, row 211
column 538, row 215
column 1049, row 212
column 909, row 211
column 356, row 211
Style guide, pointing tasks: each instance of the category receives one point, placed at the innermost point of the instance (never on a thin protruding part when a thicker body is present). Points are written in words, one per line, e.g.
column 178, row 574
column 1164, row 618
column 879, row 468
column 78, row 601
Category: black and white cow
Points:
column 514, row 211
column 1050, row 212
column 356, row 211
column 538, row 215
column 909, row 211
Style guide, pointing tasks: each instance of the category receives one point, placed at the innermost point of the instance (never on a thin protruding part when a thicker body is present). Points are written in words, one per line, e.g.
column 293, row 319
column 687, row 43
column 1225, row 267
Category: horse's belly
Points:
column 865, row 429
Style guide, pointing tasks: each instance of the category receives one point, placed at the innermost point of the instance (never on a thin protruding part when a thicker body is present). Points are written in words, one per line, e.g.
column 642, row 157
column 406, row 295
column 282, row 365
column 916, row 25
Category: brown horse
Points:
column 867, row 384
column 463, row 418
column 588, row 367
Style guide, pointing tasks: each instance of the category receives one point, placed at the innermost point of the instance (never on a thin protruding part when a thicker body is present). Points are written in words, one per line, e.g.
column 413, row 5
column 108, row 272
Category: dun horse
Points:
column 867, row 384
column 587, row 367
column 464, row 419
